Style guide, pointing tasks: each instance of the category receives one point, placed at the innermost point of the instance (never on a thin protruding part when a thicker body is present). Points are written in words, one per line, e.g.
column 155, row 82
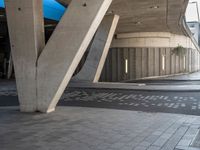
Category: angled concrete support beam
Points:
column 26, row 31
column 95, row 61
column 65, row 49
column 43, row 72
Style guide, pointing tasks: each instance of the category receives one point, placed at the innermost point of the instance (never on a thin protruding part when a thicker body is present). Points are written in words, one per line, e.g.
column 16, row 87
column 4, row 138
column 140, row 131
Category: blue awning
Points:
column 52, row 9
column 2, row 4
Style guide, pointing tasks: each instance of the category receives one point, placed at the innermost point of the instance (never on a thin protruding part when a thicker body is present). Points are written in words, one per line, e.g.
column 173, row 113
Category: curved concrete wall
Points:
column 135, row 63
column 152, row 39
column 148, row 54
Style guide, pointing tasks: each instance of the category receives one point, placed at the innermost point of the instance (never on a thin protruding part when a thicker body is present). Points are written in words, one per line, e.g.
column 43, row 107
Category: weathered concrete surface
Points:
column 74, row 128
column 148, row 16
column 96, row 58
column 26, row 30
column 65, row 49
column 152, row 39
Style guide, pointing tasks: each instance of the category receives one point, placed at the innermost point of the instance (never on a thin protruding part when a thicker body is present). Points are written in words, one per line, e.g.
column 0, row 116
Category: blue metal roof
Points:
column 52, row 9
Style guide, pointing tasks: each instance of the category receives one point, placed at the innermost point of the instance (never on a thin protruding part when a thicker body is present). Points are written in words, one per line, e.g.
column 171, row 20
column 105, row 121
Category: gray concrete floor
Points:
column 71, row 128
column 83, row 128
column 190, row 76
column 195, row 76
column 168, row 102
column 186, row 82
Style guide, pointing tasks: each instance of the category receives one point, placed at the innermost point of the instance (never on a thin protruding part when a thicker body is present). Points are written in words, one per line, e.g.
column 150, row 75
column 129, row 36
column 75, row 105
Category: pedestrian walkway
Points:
column 137, row 86
column 190, row 76
column 116, row 128
column 187, row 82
column 190, row 82
column 168, row 102
column 96, row 129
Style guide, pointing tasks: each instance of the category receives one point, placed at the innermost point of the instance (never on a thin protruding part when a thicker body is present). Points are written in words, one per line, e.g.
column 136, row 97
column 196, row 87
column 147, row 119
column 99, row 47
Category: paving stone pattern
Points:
column 169, row 102
column 75, row 128
column 172, row 102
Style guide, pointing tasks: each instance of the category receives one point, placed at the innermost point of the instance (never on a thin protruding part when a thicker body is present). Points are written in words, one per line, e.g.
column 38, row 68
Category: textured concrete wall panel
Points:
column 147, row 62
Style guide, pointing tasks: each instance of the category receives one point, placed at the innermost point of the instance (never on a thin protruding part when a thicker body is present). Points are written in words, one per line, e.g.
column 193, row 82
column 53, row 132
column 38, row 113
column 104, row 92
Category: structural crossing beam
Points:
column 98, row 51
column 65, row 49
column 43, row 72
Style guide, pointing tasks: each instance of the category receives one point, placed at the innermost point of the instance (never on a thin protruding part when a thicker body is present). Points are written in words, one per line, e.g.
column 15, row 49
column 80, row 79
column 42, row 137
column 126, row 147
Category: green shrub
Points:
column 179, row 51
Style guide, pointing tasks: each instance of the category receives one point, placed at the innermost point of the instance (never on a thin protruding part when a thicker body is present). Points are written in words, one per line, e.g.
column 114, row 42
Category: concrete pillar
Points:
column 108, row 66
column 173, row 63
column 196, row 62
column 144, row 62
column 187, row 61
column 168, row 61
column 177, row 64
column 122, row 64
column 181, row 63
column 150, row 62
column 26, row 31
column 119, row 66
column 65, row 49
column 95, row 61
column 156, row 62
column 132, row 63
column 114, row 64
column 138, row 63
column 190, row 60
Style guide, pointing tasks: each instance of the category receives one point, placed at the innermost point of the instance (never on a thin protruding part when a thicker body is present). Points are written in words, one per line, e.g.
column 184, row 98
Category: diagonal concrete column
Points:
column 65, row 49
column 95, row 61
column 26, row 31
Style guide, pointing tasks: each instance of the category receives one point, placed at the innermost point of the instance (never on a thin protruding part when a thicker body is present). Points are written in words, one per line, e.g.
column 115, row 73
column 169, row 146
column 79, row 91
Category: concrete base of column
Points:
column 27, row 108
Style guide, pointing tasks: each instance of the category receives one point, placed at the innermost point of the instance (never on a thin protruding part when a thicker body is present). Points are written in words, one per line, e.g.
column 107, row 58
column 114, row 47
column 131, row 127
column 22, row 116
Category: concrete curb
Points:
column 139, row 87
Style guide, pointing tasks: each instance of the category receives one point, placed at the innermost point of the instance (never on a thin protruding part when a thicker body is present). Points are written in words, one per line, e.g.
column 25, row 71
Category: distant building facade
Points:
column 195, row 29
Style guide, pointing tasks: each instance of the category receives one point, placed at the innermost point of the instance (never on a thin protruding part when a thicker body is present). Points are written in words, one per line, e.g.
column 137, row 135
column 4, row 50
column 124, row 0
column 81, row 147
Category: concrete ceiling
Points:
column 148, row 15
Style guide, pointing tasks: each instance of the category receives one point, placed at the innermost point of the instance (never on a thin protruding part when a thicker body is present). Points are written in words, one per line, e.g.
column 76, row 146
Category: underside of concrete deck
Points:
column 147, row 16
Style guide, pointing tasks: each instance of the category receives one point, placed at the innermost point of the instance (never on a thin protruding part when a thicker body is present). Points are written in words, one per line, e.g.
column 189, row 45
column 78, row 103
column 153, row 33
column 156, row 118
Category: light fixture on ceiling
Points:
column 154, row 7
column 137, row 23
column 49, row 25
column 110, row 12
column 2, row 16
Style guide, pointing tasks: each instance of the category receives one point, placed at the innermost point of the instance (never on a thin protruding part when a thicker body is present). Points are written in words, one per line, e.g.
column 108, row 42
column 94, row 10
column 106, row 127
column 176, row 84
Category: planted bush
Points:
column 179, row 51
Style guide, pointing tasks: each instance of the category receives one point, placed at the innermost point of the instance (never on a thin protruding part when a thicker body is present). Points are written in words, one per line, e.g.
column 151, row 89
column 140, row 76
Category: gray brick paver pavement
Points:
column 90, row 129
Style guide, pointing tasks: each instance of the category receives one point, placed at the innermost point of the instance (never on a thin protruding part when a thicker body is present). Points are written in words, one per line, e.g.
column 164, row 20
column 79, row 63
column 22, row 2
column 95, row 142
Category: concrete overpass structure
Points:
column 138, row 37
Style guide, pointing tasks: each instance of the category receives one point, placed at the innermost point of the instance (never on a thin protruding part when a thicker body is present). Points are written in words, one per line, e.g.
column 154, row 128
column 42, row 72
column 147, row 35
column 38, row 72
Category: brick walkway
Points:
column 83, row 128
column 170, row 102
column 191, row 76
column 95, row 129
